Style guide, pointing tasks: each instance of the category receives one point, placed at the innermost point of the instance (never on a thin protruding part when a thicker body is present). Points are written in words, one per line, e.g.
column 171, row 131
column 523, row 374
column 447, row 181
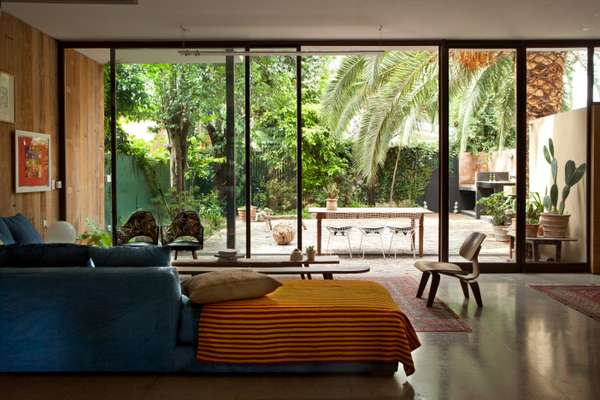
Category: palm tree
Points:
column 391, row 96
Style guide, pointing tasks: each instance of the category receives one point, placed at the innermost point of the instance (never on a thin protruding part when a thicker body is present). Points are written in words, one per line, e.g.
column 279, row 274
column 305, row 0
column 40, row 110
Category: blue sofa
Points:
column 107, row 316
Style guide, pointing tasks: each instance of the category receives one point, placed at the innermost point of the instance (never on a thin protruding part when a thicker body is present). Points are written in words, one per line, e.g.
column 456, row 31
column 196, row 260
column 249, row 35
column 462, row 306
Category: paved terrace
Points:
column 460, row 226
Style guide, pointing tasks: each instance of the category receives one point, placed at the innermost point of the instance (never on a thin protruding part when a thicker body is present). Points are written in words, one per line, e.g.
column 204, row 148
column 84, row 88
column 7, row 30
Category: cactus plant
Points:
column 573, row 175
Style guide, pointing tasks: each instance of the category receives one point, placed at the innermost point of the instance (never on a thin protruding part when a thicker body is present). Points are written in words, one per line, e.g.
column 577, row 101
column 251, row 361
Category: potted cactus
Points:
column 554, row 221
column 332, row 196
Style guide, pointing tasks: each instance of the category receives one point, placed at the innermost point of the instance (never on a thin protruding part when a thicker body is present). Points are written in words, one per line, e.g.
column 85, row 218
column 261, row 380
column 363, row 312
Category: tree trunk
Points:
column 178, row 159
column 394, row 176
column 545, row 71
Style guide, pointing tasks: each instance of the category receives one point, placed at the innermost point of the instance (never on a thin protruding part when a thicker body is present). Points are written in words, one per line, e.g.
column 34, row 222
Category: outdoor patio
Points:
column 460, row 226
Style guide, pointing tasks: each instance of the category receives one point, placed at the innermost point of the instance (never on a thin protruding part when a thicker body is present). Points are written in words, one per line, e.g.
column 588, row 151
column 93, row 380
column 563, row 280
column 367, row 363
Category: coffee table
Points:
column 326, row 271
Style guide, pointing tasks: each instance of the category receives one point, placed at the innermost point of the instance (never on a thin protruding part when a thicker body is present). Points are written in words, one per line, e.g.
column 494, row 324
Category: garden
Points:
column 369, row 134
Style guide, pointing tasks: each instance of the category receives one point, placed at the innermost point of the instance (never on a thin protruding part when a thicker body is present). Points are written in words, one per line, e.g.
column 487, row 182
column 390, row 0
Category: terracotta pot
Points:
column 501, row 233
column 242, row 213
column 555, row 225
column 332, row 204
column 531, row 230
column 310, row 255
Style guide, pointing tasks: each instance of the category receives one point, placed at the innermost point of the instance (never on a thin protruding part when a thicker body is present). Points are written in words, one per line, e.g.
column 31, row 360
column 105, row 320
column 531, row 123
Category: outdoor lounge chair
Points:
column 185, row 233
column 139, row 224
column 470, row 251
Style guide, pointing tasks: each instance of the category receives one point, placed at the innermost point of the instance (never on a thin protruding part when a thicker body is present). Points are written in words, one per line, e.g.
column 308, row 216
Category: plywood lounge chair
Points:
column 470, row 251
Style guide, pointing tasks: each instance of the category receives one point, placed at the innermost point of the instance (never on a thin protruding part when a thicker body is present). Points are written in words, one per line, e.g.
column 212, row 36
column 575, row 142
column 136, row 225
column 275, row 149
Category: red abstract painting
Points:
column 33, row 161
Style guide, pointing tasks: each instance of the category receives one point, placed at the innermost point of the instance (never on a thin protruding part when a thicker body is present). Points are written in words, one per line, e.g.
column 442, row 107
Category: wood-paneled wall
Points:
column 30, row 56
column 84, row 123
column 595, row 206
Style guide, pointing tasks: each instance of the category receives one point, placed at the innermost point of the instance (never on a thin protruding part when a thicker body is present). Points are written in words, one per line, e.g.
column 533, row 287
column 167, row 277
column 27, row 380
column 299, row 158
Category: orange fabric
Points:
column 309, row 321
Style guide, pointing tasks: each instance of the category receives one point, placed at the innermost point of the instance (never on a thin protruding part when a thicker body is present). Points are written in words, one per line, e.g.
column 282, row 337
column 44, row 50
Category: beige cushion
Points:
column 230, row 284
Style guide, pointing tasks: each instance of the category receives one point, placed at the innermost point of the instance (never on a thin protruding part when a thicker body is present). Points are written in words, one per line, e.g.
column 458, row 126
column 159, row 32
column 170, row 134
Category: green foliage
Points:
column 416, row 164
column 496, row 205
column 573, row 174
column 95, row 235
column 534, row 207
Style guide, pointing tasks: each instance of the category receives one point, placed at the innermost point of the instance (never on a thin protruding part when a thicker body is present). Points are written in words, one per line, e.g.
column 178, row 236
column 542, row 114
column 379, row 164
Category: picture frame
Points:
column 7, row 98
column 33, row 152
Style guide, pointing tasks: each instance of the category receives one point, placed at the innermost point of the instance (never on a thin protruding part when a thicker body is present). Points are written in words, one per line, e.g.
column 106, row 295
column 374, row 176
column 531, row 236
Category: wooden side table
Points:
column 536, row 242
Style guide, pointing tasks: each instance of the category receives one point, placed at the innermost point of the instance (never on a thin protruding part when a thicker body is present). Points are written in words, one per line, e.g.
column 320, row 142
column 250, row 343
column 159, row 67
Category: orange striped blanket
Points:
column 308, row 321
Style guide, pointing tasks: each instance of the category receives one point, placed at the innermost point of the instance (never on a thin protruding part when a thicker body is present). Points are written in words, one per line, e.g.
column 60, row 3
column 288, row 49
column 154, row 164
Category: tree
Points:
column 176, row 96
column 392, row 96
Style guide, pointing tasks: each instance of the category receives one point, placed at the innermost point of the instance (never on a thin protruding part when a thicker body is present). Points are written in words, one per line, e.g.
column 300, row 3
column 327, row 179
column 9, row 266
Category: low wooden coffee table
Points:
column 268, row 264
column 326, row 271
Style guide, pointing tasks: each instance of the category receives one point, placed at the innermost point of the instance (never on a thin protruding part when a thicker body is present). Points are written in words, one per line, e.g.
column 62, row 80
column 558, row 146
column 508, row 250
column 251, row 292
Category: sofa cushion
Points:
column 233, row 284
column 21, row 230
column 44, row 255
column 6, row 237
column 131, row 256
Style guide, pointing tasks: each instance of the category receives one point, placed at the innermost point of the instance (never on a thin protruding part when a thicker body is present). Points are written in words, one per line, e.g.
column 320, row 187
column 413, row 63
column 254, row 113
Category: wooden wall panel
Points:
column 84, row 122
column 595, row 206
column 31, row 57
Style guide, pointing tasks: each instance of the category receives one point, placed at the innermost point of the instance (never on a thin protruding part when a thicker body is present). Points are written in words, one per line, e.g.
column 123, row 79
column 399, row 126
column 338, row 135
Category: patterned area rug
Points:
column 583, row 298
column 439, row 318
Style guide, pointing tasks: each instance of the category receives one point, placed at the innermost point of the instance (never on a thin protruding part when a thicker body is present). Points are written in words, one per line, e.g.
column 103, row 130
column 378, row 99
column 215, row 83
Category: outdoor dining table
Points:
column 413, row 213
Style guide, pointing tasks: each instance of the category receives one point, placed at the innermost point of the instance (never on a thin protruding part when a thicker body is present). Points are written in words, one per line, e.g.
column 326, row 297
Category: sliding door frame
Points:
column 443, row 46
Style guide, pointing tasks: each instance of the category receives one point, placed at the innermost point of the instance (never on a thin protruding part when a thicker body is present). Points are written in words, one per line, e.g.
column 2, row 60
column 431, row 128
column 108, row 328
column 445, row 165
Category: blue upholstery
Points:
column 131, row 256
column 21, row 229
column 188, row 321
column 44, row 255
column 5, row 236
column 88, row 319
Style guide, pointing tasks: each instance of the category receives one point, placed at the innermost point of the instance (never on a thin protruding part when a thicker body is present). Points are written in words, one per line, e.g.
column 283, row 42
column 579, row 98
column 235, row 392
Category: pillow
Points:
column 22, row 231
column 131, row 256
column 44, row 255
column 6, row 237
column 231, row 284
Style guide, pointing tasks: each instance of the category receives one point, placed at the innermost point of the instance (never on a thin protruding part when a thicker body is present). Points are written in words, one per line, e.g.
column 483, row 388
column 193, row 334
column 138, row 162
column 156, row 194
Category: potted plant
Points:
column 534, row 207
column 554, row 221
column 332, row 196
column 310, row 253
column 497, row 206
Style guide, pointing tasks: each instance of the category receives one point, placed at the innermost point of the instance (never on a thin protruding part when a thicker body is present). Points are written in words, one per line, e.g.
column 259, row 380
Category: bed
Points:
column 308, row 326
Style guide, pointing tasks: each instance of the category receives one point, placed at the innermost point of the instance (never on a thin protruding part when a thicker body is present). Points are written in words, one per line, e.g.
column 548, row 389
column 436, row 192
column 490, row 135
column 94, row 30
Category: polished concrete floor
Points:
column 524, row 345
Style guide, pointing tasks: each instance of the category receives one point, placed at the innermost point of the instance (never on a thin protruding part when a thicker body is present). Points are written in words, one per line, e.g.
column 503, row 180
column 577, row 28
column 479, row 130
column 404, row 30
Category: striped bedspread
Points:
column 308, row 321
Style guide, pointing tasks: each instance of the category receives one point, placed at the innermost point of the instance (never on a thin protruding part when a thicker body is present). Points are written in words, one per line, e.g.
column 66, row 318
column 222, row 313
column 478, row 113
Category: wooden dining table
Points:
column 412, row 213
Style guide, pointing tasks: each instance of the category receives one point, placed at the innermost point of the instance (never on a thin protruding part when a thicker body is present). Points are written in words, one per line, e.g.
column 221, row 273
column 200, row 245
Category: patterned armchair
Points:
column 140, row 223
column 185, row 223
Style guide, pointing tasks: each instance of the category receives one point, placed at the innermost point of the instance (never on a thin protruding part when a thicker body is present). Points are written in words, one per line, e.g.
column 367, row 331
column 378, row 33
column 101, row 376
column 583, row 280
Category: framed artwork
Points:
column 7, row 98
column 32, row 162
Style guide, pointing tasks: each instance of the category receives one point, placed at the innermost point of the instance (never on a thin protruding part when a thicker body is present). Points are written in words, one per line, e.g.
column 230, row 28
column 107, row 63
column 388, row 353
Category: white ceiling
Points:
column 316, row 19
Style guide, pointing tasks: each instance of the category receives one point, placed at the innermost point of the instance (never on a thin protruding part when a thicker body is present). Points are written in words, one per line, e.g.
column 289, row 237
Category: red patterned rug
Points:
column 439, row 318
column 583, row 298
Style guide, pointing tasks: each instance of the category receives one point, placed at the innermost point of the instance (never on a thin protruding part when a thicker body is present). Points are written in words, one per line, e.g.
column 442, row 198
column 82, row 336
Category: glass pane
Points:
column 370, row 142
column 597, row 75
column 176, row 149
column 273, row 153
column 482, row 176
column 557, row 133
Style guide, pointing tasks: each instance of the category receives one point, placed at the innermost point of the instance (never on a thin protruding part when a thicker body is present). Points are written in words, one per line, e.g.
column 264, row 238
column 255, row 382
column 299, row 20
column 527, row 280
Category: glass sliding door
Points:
column 596, row 88
column 556, row 155
column 180, row 138
column 273, row 170
column 482, row 151
column 370, row 139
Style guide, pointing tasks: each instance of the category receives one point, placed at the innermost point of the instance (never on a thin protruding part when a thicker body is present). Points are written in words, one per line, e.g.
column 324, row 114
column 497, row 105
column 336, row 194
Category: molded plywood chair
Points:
column 470, row 251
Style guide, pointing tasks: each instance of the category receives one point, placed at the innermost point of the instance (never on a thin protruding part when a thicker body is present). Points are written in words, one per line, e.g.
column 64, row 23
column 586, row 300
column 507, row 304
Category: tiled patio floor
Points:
column 460, row 226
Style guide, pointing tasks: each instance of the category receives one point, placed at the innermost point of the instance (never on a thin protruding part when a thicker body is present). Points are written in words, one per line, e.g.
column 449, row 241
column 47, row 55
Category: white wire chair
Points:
column 339, row 229
column 371, row 228
column 399, row 229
